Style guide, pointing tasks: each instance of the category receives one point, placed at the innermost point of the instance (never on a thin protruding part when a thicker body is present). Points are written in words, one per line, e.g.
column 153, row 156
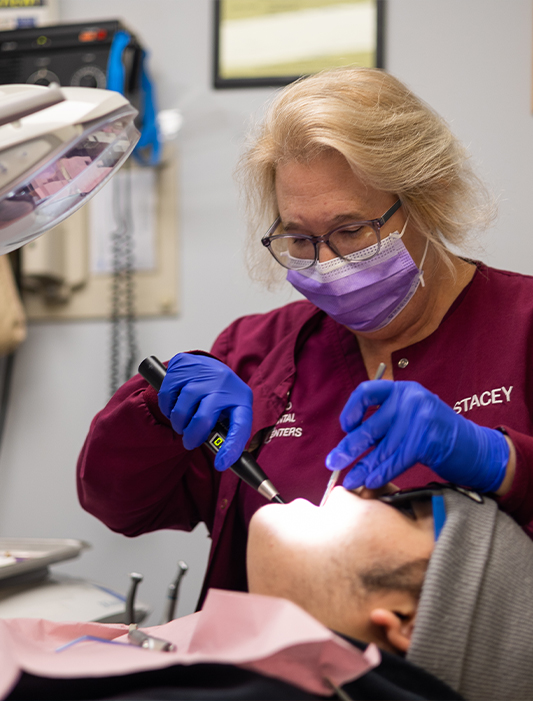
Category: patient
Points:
column 444, row 578
column 439, row 578
column 357, row 565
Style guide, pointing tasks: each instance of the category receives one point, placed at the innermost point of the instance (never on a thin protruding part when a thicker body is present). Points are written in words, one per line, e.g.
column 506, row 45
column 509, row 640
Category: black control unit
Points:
column 68, row 54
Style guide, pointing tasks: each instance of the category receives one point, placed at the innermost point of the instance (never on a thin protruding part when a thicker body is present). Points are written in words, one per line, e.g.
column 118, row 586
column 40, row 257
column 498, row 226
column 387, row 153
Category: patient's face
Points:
column 313, row 555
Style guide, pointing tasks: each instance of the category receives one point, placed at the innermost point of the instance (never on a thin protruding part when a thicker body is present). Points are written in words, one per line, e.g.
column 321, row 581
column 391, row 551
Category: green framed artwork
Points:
column 273, row 42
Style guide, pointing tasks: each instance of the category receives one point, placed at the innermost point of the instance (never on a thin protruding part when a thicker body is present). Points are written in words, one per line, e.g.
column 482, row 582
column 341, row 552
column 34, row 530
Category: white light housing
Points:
column 58, row 147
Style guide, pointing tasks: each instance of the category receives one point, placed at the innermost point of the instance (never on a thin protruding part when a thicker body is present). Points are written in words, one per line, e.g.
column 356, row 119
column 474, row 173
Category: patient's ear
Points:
column 397, row 625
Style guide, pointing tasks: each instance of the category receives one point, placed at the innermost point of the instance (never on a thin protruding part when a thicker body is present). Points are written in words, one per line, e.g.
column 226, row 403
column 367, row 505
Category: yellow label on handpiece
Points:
column 215, row 441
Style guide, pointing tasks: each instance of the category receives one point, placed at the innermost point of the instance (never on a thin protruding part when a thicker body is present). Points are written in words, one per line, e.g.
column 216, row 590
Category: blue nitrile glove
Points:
column 197, row 391
column 413, row 425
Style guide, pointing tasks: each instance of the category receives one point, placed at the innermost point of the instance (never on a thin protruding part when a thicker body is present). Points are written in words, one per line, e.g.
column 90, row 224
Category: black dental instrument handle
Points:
column 153, row 371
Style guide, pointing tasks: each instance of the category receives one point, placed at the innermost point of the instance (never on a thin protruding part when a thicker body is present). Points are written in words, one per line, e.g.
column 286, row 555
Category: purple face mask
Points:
column 364, row 295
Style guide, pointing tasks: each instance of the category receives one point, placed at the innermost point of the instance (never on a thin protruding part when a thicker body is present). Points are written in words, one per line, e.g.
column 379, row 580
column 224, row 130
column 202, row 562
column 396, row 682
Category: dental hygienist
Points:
column 362, row 191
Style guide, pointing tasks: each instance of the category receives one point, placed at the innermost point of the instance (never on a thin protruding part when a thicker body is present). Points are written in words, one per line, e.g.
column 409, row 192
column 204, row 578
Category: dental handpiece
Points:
column 172, row 593
column 135, row 579
column 153, row 371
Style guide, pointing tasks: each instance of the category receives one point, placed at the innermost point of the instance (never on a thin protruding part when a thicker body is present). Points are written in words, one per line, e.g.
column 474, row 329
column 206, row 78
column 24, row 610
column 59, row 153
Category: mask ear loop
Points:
column 421, row 272
column 397, row 235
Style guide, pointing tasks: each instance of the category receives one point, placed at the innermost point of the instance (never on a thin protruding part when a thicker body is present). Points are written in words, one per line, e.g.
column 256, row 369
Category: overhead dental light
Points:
column 58, row 147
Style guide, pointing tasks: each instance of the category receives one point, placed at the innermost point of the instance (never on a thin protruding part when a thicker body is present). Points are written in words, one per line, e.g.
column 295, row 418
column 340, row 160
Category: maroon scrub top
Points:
column 135, row 475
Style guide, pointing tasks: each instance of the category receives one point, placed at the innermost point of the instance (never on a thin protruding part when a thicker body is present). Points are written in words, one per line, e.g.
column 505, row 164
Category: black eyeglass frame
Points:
column 374, row 224
column 432, row 489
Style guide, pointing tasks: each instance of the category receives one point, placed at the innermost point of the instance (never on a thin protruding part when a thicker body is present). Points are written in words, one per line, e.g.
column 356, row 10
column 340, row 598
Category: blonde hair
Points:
column 391, row 139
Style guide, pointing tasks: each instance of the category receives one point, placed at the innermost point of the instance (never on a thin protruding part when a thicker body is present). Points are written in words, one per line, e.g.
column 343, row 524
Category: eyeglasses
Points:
column 355, row 241
column 403, row 499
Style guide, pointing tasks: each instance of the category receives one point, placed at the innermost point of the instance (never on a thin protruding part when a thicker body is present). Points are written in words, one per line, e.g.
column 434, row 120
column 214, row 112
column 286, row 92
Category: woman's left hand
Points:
column 411, row 426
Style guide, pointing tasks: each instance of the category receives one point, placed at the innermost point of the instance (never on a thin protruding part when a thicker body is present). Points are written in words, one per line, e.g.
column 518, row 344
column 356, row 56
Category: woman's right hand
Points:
column 198, row 391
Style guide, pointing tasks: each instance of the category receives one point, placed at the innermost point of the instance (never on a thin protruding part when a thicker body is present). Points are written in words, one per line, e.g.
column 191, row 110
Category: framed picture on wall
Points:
column 274, row 42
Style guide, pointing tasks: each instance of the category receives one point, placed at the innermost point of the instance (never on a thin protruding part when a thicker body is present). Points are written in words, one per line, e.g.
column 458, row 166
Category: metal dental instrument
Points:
column 172, row 594
column 148, row 642
column 335, row 474
column 153, row 371
column 130, row 600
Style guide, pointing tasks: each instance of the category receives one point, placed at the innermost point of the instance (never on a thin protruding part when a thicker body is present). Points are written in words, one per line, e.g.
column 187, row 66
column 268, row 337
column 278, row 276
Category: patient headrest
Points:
column 474, row 624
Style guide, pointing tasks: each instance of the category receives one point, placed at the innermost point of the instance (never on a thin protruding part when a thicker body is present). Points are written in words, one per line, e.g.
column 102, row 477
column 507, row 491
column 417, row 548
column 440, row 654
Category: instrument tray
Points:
column 21, row 556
